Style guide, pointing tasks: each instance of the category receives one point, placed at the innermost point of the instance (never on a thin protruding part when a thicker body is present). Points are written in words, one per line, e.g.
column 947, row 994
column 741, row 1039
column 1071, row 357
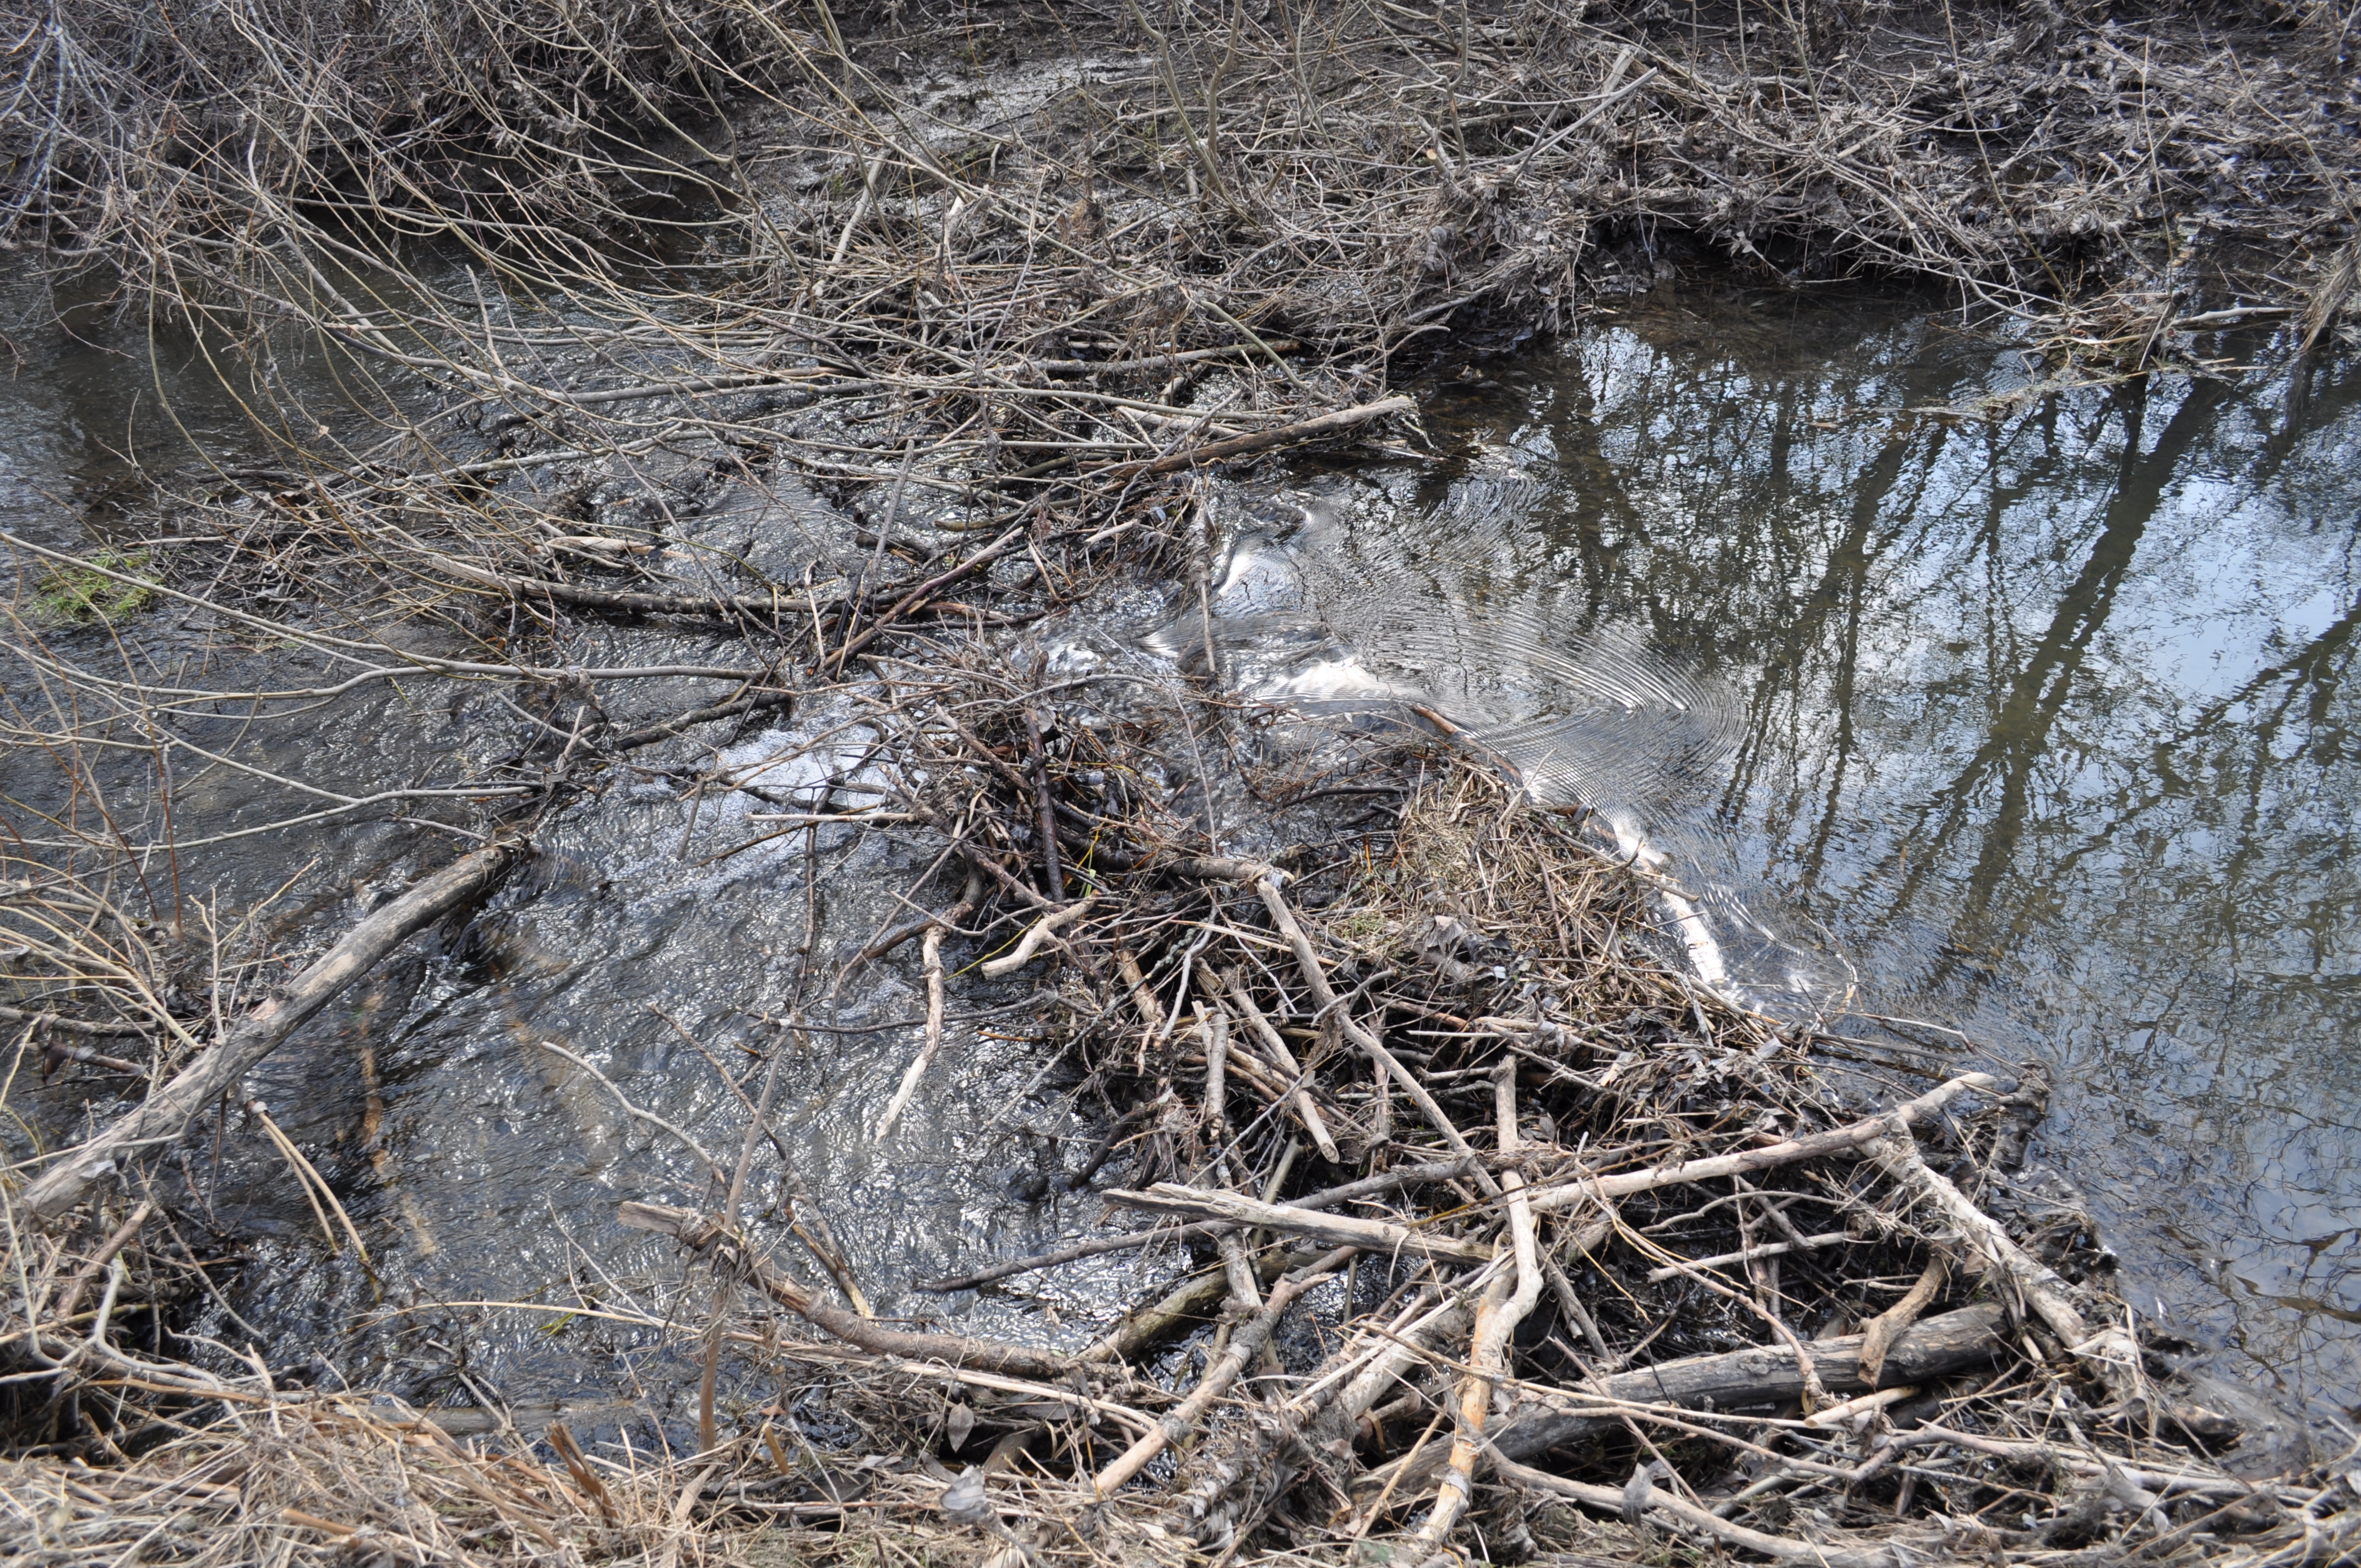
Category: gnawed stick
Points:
column 705, row 1232
column 217, row 1069
column 1245, row 1345
column 933, row 952
column 1336, row 1230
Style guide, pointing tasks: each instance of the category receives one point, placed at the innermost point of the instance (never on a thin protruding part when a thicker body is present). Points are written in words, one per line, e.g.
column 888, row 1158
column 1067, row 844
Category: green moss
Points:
column 86, row 592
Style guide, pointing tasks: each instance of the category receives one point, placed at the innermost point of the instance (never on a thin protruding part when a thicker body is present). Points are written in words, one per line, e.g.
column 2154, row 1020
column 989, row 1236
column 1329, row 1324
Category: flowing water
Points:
column 1943, row 695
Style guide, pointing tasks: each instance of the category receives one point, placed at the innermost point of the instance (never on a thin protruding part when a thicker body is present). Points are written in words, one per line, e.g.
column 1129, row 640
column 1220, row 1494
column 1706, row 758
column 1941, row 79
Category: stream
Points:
column 1959, row 705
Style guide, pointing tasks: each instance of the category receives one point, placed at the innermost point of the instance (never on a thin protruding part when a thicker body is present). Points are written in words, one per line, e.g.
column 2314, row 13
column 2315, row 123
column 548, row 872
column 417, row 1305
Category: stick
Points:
column 722, row 606
column 1496, row 1321
column 648, row 734
column 1306, row 1109
column 1767, row 1249
column 76, row 1027
column 262, row 1031
column 1324, row 995
column 115, row 1243
column 1255, row 441
column 1369, row 1187
column 703, row 1231
column 1337, row 1230
column 1880, row 1331
column 933, row 950
column 1038, row 933
column 2110, row 1352
column 1554, row 1197
column 1245, row 1345
column 1609, row 1499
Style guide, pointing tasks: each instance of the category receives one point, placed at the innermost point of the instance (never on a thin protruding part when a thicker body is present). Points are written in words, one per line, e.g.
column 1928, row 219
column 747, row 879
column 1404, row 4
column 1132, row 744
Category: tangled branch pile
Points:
column 1613, row 1245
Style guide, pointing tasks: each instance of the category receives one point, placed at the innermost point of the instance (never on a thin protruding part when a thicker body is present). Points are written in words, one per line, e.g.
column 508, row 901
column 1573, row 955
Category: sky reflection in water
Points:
column 2045, row 716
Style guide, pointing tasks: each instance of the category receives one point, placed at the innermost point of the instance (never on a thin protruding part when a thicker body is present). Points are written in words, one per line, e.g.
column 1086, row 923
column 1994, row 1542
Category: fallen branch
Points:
column 1245, row 1345
column 648, row 734
column 1679, row 1511
column 260, row 1031
column 76, row 1027
column 1040, row 931
column 1739, row 1379
column 1560, row 1194
column 1256, row 441
column 1495, row 1322
column 706, row 1233
column 2110, row 1352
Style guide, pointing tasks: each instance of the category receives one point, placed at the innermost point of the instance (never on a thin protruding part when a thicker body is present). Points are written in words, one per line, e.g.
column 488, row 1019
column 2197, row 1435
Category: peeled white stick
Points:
column 933, row 949
column 1496, row 1325
column 1040, row 931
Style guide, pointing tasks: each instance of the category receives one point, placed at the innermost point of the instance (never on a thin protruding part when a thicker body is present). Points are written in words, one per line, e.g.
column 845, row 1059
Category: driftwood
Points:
column 216, row 1072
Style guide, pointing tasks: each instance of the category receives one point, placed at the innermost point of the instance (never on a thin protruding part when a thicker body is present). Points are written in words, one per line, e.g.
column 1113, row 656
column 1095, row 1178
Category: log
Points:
column 215, row 1071
column 1739, row 1379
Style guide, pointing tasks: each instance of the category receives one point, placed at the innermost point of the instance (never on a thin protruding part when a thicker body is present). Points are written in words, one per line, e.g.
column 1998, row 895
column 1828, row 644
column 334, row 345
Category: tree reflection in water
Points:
column 2043, row 715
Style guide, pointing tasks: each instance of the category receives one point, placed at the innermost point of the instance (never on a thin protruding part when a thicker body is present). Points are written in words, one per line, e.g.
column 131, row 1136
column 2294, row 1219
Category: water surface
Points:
column 2035, row 720
column 2017, row 709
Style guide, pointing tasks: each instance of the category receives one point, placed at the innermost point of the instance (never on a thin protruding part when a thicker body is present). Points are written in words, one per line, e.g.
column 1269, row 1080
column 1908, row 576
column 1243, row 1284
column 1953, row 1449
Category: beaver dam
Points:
column 1180, row 785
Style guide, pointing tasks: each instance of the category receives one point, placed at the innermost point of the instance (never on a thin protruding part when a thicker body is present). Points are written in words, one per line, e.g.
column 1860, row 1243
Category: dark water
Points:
column 2029, row 720
column 2034, row 719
